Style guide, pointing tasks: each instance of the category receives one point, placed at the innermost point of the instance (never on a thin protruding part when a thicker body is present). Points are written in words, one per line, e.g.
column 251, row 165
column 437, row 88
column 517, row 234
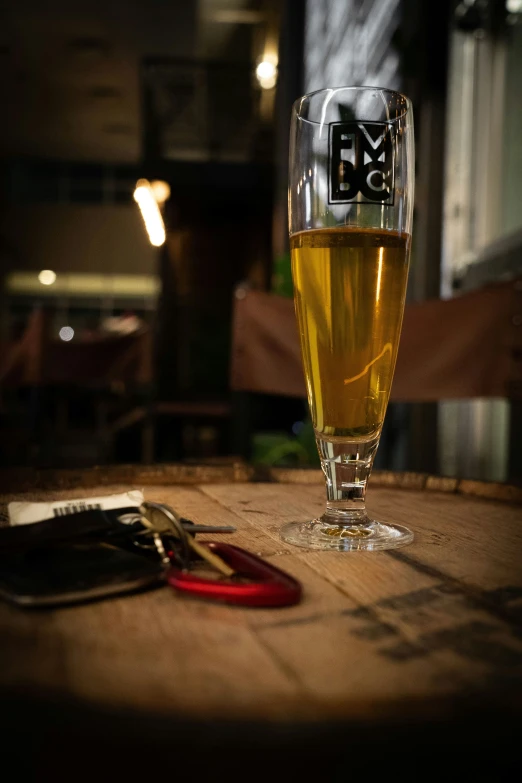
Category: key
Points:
column 162, row 519
column 162, row 523
column 210, row 557
column 202, row 551
column 192, row 527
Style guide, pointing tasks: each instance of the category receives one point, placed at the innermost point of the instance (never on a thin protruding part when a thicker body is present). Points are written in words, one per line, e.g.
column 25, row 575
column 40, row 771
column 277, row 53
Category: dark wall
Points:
column 219, row 234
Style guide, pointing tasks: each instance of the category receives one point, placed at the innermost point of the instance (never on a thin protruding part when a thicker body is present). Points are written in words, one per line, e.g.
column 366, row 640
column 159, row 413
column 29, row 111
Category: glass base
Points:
column 370, row 536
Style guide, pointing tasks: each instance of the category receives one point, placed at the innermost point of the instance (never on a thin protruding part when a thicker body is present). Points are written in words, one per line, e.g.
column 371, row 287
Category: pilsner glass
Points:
column 350, row 211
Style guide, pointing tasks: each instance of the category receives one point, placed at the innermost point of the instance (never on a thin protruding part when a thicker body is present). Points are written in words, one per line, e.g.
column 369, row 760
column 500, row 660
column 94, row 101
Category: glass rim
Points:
column 361, row 88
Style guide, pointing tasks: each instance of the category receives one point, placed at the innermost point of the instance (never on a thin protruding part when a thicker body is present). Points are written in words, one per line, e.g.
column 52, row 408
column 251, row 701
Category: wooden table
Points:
column 418, row 648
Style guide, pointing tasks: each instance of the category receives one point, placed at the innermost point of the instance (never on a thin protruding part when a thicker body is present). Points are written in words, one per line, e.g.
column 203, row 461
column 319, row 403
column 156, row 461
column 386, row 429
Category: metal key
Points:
column 162, row 519
column 163, row 525
column 192, row 527
column 211, row 558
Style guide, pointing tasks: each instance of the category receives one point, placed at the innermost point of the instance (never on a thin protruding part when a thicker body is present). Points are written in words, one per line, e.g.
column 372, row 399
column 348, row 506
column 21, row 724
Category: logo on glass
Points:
column 361, row 169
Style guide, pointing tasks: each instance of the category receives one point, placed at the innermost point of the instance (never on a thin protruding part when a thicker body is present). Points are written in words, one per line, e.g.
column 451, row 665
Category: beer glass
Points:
column 350, row 214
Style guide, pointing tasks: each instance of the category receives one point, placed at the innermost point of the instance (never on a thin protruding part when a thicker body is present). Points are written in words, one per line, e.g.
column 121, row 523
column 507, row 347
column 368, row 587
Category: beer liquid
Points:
column 350, row 287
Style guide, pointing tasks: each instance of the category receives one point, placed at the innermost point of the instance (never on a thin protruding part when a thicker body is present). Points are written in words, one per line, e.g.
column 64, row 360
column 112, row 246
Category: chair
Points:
column 57, row 371
column 463, row 348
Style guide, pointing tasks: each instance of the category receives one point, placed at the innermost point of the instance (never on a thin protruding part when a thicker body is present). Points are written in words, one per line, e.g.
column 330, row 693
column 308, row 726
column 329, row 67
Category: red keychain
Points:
column 267, row 585
column 249, row 580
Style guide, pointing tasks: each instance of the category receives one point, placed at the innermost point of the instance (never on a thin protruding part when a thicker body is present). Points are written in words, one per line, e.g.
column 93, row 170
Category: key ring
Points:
column 174, row 523
column 270, row 585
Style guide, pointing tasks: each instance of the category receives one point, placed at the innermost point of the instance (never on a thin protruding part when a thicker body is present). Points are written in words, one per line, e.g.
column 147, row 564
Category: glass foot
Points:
column 369, row 536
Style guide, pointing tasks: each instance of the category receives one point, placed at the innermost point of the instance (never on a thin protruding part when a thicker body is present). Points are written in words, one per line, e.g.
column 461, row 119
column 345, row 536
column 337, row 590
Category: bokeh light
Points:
column 66, row 333
column 47, row 277
column 266, row 73
column 161, row 190
column 150, row 212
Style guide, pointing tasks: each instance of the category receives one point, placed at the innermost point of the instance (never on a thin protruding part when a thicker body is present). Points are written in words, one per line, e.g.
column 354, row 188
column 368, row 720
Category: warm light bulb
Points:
column 150, row 212
column 47, row 277
column 266, row 73
column 161, row 190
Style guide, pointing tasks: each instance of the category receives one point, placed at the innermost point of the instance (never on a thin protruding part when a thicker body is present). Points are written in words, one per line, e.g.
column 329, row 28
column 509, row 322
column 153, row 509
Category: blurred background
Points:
column 143, row 229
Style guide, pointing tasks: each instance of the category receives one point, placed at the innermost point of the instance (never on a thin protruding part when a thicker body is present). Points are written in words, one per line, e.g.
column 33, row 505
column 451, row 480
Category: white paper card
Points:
column 27, row 513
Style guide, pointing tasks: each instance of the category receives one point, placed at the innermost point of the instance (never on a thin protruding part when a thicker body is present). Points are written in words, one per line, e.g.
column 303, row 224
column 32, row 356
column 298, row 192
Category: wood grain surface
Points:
column 420, row 629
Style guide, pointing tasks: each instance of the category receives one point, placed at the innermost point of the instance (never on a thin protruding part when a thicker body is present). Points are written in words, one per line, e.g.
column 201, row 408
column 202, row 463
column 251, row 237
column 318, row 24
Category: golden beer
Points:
column 350, row 287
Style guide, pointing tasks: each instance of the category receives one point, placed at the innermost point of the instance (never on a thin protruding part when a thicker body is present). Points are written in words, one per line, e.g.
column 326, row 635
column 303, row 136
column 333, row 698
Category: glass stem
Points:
column 347, row 465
